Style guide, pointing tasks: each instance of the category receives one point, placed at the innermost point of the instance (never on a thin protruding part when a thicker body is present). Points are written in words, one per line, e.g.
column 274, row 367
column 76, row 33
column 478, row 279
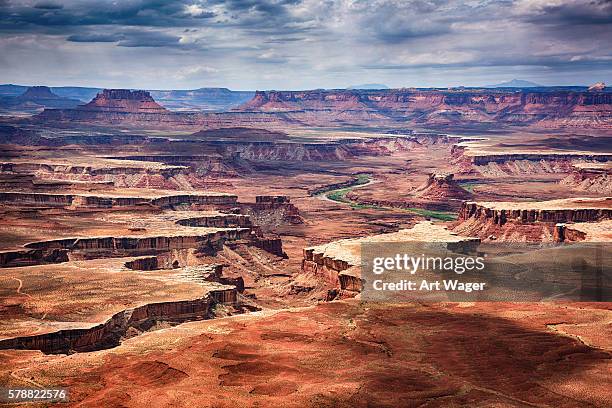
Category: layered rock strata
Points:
column 61, row 250
column 530, row 221
column 272, row 211
column 103, row 201
column 554, row 211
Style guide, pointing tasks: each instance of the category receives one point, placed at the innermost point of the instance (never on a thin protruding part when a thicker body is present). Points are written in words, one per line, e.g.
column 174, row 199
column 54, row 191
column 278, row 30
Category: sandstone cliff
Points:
column 529, row 221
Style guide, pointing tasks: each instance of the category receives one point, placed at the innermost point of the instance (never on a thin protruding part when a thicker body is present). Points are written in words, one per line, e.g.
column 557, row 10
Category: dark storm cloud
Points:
column 130, row 39
column 48, row 6
column 574, row 13
column 92, row 37
column 158, row 13
column 149, row 39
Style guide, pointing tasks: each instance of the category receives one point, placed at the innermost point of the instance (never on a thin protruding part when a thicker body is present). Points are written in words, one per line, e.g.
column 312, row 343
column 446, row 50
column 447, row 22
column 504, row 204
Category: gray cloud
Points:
column 45, row 5
column 131, row 38
column 307, row 43
column 93, row 37
column 149, row 39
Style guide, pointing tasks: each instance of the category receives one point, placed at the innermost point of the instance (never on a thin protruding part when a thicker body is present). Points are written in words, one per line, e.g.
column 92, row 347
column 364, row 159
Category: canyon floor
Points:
column 167, row 268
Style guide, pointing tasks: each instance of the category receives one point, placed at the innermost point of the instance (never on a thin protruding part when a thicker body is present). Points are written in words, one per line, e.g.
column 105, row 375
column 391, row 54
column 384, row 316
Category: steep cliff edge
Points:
column 528, row 221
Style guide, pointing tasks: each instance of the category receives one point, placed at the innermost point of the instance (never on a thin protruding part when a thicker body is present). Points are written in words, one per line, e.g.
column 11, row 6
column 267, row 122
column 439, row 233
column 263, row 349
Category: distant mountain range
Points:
column 204, row 99
column 515, row 83
column 368, row 86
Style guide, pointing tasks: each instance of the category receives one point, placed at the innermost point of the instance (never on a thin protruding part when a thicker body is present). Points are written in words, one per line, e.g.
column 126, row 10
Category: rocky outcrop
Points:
column 118, row 327
column 270, row 243
column 144, row 243
column 269, row 212
column 173, row 200
column 597, row 87
column 441, row 187
column 165, row 119
column 212, row 273
column 61, row 250
column 518, row 163
column 565, row 233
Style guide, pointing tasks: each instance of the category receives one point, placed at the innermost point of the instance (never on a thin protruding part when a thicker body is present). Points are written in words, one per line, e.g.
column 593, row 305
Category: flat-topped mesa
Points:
column 124, row 100
column 442, row 187
column 339, row 262
column 529, row 221
column 38, row 92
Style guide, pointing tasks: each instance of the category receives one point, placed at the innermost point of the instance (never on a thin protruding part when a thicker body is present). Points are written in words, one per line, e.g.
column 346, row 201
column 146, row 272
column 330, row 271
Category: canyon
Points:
column 146, row 250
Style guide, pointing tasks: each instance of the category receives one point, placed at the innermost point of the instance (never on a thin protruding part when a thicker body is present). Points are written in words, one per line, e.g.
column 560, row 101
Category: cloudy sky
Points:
column 303, row 44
